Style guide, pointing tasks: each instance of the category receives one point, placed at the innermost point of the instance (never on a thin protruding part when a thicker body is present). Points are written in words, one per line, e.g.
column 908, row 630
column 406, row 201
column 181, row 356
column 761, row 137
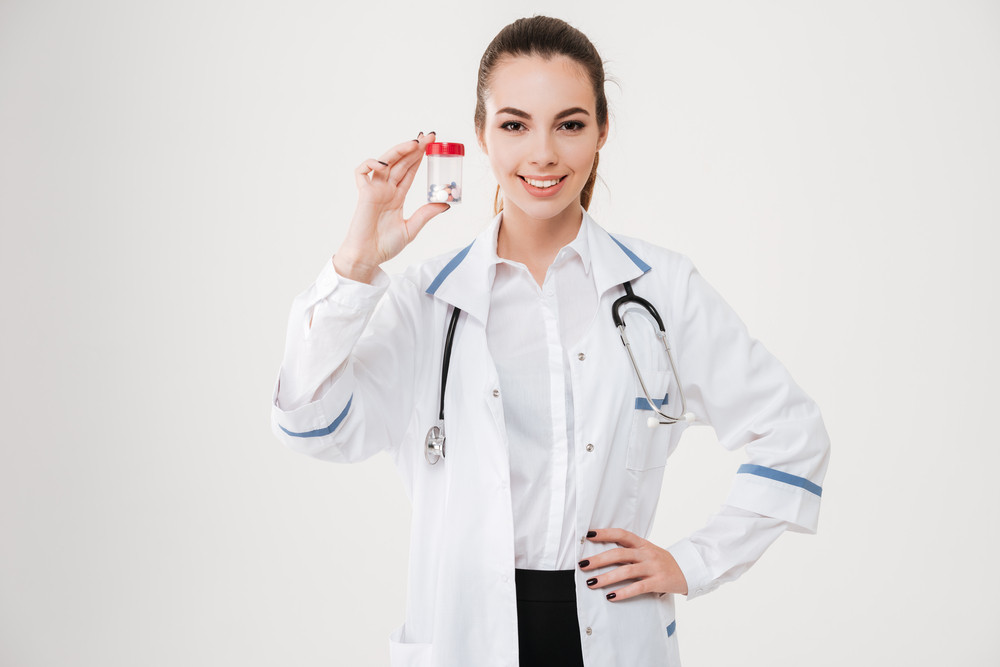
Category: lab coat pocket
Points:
column 648, row 446
column 668, row 629
column 407, row 654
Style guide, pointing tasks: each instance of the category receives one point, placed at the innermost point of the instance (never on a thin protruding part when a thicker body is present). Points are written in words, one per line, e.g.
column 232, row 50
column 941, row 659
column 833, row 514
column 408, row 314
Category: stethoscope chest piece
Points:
column 434, row 443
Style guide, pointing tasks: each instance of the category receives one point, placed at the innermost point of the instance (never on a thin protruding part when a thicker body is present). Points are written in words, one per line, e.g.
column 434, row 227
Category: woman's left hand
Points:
column 653, row 567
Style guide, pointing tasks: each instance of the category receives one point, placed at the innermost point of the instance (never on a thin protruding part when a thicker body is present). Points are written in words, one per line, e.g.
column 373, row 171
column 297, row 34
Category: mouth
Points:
column 542, row 187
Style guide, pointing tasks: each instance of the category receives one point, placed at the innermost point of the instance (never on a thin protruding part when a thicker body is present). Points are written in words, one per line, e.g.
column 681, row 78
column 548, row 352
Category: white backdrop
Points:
column 173, row 173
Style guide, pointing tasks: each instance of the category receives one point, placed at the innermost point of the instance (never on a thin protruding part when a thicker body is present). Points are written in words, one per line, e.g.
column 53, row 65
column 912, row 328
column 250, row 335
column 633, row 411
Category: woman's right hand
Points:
column 378, row 231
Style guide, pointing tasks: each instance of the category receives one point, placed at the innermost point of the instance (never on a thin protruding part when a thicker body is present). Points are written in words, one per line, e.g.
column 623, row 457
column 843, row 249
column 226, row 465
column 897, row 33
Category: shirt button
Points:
column 581, row 356
column 590, row 447
column 496, row 393
column 583, row 539
column 589, row 630
column 504, row 578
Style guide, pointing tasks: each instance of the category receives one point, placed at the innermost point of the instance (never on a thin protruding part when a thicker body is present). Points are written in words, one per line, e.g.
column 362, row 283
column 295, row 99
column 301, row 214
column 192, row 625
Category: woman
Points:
column 527, row 542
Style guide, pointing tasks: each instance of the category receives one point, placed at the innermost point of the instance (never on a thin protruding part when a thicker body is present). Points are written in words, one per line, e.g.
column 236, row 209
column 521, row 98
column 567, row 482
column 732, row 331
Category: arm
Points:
column 735, row 385
column 335, row 388
column 732, row 383
column 348, row 350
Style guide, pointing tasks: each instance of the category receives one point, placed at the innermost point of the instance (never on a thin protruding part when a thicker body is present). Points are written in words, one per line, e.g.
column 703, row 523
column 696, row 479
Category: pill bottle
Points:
column 444, row 172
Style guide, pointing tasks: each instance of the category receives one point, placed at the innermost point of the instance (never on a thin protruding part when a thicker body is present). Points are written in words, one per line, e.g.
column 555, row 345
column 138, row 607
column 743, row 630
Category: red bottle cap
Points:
column 442, row 148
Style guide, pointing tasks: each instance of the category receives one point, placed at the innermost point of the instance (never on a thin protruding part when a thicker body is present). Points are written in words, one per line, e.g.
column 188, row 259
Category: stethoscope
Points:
column 435, row 441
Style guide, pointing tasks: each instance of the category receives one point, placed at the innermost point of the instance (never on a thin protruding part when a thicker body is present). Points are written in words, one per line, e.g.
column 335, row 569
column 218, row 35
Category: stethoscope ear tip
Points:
column 689, row 416
column 652, row 422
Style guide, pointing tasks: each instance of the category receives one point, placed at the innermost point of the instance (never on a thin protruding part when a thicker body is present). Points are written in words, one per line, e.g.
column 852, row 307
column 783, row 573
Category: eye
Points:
column 573, row 125
column 512, row 126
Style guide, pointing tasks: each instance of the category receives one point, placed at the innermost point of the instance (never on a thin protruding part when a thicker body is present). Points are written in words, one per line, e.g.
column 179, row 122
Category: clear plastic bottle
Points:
column 444, row 172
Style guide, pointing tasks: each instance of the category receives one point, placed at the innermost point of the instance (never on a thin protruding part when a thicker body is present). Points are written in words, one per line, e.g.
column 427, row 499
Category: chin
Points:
column 542, row 210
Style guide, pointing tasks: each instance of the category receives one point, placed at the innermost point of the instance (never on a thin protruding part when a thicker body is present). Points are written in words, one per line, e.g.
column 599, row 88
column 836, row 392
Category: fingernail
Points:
column 591, row 533
column 584, row 563
column 611, row 596
column 382, row 163
column 432, row 132
column 420, row 135
column 591, row 582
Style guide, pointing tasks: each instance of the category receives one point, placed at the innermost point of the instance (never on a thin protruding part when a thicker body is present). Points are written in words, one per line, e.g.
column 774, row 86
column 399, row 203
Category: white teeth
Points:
column 541, row 184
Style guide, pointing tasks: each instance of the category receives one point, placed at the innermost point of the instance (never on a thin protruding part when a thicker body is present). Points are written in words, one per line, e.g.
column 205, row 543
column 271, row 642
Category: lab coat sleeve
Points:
column 348, row 365
column 739, row 388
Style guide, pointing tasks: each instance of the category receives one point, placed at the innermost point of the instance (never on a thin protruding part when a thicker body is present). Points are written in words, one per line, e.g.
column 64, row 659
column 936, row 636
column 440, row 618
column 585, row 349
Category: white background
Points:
column 173, row 173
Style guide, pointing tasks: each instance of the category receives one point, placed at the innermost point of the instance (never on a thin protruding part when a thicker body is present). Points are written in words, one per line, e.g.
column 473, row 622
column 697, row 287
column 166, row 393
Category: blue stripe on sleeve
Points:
column 631, row 255
column 671, row 628
column 642, row 404
column 323, row 431
column 449, row 267
column 785, row 477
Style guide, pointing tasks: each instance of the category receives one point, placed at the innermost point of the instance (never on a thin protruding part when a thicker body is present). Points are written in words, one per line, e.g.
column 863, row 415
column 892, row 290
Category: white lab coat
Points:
column 461, row 605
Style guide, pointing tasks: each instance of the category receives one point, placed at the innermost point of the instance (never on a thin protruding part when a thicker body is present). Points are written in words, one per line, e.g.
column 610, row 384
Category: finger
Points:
column 408, row 176
column 617, row 575
column 619, row 535
column 422, row 215
column 609, row 557
column 373, row 167
column 630, row 591
column 404, row 169
column 399, row 151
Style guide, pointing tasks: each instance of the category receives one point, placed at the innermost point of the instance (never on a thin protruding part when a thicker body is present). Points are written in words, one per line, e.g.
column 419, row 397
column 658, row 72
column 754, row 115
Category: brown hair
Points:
column 546, row 37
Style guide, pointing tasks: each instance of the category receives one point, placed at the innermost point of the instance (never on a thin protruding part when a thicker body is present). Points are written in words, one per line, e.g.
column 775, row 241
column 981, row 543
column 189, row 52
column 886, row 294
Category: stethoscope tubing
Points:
column 630, row 297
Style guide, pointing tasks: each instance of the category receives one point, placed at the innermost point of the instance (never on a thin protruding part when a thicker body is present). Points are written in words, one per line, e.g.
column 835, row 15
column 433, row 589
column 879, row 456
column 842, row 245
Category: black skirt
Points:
column 547, row 627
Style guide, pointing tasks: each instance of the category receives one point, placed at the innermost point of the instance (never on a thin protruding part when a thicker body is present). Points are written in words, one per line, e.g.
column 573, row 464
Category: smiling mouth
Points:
column 542, row 184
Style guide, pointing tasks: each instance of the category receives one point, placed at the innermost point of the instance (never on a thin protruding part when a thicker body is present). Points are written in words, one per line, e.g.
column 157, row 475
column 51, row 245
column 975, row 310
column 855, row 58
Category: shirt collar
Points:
column 579, row 245
column 466, row 279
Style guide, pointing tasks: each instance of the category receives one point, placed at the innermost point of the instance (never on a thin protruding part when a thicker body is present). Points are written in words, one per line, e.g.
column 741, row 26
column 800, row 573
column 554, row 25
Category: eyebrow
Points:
column 527, row 116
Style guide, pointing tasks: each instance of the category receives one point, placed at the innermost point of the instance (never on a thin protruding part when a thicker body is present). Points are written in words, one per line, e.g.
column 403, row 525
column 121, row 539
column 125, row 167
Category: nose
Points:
column 543, row 150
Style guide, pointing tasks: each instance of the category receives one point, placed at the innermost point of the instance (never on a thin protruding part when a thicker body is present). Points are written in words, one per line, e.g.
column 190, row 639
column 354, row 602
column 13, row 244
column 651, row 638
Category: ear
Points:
column 603, row 136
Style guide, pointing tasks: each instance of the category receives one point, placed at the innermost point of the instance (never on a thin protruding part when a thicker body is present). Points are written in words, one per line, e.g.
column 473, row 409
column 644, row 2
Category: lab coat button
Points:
column 590, row 447
column 589, row 630
column 581, row 356
column 496, row 393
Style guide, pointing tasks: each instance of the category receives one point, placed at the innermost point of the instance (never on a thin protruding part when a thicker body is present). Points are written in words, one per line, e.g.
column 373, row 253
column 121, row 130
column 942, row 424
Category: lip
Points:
column 542, row 192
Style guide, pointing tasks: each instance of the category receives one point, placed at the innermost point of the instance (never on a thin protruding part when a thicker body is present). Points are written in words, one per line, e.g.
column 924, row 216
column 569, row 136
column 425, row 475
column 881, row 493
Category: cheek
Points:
column 501, row 161
column 583, row 157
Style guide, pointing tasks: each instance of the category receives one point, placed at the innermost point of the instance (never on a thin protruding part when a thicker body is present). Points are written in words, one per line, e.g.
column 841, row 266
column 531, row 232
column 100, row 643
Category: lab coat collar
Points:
column 467, row 279
column 613, row 261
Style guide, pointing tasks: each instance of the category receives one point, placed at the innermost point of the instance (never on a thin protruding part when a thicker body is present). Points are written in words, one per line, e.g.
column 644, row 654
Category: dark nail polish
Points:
column 584, row 563
column 611, row 596
column 432, row 132
column 383, row 163
column 591, row 582
column 591, row 533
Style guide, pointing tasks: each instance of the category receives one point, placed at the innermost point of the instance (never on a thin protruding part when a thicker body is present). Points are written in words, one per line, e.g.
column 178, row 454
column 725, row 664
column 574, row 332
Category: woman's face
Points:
column 541, row 135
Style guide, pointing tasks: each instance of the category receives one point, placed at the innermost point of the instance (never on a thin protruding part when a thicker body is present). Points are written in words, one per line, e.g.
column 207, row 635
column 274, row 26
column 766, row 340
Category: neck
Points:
column 535, row 242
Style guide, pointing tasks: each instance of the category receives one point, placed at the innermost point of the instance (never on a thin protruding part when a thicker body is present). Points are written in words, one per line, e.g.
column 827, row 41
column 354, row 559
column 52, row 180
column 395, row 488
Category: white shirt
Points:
column 528, row 330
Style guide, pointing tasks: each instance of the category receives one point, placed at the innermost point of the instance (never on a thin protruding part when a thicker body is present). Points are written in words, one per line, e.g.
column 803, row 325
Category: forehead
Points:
column 534, row 82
